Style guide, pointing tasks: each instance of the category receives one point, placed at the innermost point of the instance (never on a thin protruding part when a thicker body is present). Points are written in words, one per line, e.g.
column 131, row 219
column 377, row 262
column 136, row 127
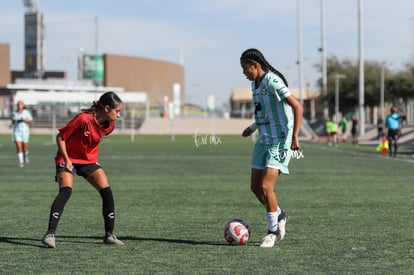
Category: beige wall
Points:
column 5, row 74
column 144, row 75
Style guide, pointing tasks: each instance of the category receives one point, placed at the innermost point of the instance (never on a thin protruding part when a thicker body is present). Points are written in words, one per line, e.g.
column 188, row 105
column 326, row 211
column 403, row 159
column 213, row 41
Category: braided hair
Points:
column 254, row 55
column 109, row 98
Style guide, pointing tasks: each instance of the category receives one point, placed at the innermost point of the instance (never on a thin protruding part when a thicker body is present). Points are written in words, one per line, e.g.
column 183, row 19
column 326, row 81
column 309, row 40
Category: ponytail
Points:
column 109, row 98
column 254, row 55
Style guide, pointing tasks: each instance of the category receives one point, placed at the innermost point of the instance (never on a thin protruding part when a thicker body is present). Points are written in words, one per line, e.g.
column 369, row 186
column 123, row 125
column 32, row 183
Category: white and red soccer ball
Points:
column 237, row 232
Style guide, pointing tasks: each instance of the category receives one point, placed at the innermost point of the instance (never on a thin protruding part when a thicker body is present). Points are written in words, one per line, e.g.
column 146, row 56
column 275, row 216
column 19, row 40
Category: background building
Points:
column 154, row 77
column 241, row 102
column 5, row 75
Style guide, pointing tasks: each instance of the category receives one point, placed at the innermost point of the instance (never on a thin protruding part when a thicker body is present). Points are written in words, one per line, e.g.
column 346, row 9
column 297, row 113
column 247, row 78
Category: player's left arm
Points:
column 297, row 114
column 28, row 121
column 28, row 118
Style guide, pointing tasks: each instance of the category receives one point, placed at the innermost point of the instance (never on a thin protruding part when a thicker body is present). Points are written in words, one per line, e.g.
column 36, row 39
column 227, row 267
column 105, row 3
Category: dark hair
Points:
column 254, row 55
column 109, row 98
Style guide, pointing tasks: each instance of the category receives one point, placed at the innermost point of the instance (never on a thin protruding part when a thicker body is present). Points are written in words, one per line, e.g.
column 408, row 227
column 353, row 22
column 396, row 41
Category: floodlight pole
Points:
column 96, row 51
column 361, row 94
column 96, row 34
column 337, row 77
column 324, row 65
column 382, row 92
column 300, row 59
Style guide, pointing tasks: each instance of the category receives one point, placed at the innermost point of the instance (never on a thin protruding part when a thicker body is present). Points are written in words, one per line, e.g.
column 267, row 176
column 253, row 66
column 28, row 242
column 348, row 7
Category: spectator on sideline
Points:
column 354, row 130
column 380, row 128
column 343, row 125
column 331, row 131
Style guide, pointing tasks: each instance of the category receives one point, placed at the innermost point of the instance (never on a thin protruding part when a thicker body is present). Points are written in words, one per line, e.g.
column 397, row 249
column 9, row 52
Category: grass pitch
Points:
column 350, row 211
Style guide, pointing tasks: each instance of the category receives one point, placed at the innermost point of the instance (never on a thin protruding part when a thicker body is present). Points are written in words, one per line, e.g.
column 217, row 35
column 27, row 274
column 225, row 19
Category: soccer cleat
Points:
column 49, row 240
column 112, row 239
column 269, row 240
column 281, row 231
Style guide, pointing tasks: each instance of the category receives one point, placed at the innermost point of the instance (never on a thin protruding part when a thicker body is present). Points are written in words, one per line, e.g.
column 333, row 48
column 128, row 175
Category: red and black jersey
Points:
column 82, row 136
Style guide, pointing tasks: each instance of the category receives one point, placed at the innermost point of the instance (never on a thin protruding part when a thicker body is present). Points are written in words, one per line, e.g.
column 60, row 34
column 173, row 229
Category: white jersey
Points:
column 273, row 116
column 20, row 126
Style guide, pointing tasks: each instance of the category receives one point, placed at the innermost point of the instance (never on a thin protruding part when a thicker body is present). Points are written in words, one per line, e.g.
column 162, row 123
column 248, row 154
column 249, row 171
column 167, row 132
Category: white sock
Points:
column 20, row 157
column 272, row 220
column 26, row 156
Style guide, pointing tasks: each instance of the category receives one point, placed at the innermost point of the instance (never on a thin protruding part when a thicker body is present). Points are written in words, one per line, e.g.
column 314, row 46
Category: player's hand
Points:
column 295, row 144
column 68, row 165
column 247, row 132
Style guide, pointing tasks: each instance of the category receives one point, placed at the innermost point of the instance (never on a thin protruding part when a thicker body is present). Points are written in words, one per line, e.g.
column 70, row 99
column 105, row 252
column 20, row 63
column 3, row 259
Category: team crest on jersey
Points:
column 263, row 91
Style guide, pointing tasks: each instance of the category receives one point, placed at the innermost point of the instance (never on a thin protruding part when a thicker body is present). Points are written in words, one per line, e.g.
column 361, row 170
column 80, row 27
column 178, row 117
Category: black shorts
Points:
column 83, row 170
column 354, row 131
column 393, row 134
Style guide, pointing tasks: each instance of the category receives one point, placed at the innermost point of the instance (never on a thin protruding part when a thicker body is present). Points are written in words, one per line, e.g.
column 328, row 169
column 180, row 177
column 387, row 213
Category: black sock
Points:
column 57, row 208
column 108, row 209
column 390, row 147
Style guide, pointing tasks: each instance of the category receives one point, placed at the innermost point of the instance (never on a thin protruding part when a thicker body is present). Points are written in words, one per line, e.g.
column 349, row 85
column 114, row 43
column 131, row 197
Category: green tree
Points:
column 400, row 86
column 349, row 86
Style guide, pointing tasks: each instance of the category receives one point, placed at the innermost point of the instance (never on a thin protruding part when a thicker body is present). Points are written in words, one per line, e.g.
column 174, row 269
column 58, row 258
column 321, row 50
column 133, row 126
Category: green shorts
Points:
column 276, row 156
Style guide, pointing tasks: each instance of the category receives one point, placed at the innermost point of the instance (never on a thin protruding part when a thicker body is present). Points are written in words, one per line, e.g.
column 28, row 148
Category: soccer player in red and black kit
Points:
column 78, row 154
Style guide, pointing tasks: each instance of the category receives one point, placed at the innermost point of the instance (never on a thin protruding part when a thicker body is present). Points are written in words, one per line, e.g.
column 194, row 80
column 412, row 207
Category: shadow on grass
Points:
column 177, row 241
column 78, row 239
column 36, row 242
column 21, row 241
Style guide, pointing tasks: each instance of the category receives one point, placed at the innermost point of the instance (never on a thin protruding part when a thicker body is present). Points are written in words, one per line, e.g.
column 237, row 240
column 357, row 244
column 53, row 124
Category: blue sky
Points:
column 209, row 36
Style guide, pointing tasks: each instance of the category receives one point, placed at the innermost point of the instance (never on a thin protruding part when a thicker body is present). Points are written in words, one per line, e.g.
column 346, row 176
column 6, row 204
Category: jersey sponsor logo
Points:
column 257, row 107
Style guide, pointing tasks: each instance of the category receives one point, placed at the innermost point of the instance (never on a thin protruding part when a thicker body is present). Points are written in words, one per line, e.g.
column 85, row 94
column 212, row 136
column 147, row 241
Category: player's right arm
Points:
column 249, row 130
column 62, row 149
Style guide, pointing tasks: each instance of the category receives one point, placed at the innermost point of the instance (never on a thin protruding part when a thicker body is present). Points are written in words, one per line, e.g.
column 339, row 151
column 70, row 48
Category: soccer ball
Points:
column 237, row 231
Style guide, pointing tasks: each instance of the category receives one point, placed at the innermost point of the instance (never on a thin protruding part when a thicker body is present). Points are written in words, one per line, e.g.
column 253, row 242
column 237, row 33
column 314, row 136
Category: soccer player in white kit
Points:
column 21, row 119
column 278, row 117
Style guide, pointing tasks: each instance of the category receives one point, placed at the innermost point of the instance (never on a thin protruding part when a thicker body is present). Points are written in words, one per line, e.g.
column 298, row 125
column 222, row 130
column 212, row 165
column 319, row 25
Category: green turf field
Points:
column 351, row 211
